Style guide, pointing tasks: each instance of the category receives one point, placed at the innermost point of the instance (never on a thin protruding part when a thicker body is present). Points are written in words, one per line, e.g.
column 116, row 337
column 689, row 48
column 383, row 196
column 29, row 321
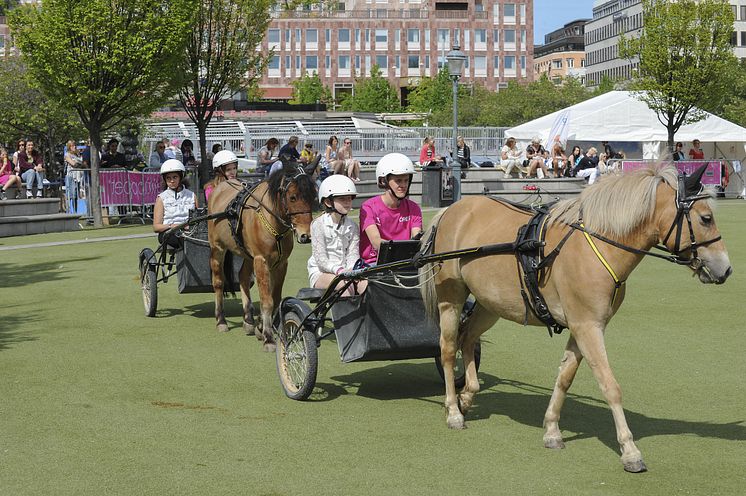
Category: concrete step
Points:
column 38, row 224
column 24, row 207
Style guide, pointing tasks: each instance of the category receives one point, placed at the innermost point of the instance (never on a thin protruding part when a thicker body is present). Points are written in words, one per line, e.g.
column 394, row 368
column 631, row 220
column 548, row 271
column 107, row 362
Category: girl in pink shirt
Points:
column 391, row 215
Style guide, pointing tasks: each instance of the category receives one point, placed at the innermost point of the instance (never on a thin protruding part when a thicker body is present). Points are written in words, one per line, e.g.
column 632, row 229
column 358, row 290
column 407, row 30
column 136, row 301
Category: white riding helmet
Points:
column 223, row 157
column 394, row 163
column 172, row 165
column 336, row 185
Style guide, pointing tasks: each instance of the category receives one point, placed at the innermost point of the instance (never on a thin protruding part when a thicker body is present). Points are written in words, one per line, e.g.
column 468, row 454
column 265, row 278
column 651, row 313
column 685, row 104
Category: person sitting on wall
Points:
column 428, row 157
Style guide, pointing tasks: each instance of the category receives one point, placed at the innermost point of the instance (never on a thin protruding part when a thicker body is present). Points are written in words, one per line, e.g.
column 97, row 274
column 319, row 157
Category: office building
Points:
column 562, row 54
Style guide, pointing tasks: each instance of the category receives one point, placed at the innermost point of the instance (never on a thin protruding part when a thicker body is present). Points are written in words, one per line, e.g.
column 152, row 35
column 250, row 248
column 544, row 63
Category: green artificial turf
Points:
column 95, row 398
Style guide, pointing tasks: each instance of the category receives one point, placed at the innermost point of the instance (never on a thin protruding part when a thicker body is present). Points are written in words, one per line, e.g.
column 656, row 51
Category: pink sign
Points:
column 121, row 187
column 712, row 175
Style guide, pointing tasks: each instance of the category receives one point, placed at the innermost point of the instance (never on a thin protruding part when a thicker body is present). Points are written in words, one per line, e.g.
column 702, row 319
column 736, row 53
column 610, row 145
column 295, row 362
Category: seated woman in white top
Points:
column 172, row 206
column 510, row 157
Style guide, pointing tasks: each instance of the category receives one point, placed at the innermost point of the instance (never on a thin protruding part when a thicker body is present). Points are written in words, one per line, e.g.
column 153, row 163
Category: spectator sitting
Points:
column 428, row 157
column 158, row 157
column 391, row 215
column 609, row 151
column 335, row 238
column 573, row 160
column 173, row 150
column 696, row 153
column 559, row 160
column 225, row 168
column 330, row 160
column 31, row 168
column 112, row 157
column 678, row 153
column 21, row 146
column 172, row 206
column 290, row 150
column 463, row 155
column 351, row 166
column 267, row 156
column 534, row 157
column 311, row 160
column 8, row 177
column 187, row 152
column 587, row 166
column 510, row 157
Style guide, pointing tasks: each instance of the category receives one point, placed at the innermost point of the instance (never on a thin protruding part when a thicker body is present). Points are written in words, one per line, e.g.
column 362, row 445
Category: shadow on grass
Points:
column 17, row 275
column 9, row 334
column 588, row 417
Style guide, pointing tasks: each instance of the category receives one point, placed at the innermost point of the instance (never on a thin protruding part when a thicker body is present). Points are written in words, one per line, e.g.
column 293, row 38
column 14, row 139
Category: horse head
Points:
column 693, row 235
column 295, row 192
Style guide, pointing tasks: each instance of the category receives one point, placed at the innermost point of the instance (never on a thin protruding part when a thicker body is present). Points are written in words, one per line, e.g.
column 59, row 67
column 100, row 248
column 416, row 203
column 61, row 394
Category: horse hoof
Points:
column 223, row 328
column 465, row 403
column 456, row 422
column 249, row 329
column 269, row 347
column 635, row 467
column 553, row 443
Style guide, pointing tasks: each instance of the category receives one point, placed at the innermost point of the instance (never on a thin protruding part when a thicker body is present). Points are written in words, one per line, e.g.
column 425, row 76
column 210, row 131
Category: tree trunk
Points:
column 671, row 135
column 204, row 164
column 95, row 193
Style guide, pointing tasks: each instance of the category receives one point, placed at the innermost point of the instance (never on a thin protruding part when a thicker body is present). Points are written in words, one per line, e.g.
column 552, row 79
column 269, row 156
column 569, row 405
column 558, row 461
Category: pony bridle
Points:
column 684, row 206
column 286, row 213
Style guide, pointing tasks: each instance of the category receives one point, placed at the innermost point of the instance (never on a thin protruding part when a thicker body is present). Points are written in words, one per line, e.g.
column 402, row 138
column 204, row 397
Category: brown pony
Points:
column 608, row 230
column 265, row 219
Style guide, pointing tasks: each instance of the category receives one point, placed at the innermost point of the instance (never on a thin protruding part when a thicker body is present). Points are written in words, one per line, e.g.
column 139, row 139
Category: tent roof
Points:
column 619, row 116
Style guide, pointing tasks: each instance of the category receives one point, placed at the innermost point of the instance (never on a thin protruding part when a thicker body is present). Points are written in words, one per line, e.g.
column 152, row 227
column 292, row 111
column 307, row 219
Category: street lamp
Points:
column 456, row 61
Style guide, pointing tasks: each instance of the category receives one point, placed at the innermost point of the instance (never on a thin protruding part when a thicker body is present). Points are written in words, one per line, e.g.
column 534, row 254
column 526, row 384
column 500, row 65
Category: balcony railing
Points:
column 375, row 14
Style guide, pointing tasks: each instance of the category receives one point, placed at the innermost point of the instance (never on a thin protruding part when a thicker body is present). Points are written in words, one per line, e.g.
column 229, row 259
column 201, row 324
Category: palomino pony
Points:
column 593, row 243
column 257, row 227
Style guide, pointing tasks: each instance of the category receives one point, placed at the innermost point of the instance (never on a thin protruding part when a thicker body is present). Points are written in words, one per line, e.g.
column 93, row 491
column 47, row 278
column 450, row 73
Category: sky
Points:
column 553, row 14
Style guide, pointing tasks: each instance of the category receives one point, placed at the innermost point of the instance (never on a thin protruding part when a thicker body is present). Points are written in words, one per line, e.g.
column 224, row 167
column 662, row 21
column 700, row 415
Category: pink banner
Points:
column 712, row 175
column 121, row 187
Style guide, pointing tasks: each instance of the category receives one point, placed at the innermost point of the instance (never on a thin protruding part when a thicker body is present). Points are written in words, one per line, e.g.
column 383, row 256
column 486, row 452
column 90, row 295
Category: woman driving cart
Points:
column 173, row 204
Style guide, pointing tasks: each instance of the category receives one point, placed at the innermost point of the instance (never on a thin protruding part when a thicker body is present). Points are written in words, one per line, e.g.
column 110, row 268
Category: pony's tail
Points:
column 427, row 271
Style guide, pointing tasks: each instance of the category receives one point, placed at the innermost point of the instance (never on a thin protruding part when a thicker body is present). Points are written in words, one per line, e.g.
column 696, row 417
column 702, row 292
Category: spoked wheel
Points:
column 459, row 371
column 297, row 358
column 150, row 292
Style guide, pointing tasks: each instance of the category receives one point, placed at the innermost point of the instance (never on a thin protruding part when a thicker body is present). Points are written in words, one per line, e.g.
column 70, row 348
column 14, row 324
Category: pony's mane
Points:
column 617, row 203
column 305, row 184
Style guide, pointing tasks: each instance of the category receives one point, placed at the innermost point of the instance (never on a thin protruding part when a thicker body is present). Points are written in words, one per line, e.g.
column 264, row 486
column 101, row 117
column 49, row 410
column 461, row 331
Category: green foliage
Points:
column 220, row 55
column 433, row 95
column 733, row 107
column 109, row 60
column 309, row 89
column 685, row 59
column 7, row 5
column 28, row 113
column 372, row 94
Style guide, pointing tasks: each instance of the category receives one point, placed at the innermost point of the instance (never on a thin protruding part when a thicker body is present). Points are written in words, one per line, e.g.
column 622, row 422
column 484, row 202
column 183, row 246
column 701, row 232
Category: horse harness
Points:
column 236, row 207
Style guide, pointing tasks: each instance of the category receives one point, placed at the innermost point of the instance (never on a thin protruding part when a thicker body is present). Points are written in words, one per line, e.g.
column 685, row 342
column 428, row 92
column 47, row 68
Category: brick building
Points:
column 407, row 39
column 562, row 54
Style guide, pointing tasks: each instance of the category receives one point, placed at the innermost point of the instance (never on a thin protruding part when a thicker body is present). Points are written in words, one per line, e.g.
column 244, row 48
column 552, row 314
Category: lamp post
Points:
column 456, row 61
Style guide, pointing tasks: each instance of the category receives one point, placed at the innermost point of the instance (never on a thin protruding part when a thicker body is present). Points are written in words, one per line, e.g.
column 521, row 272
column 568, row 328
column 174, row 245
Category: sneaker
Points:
column 39, row 195
column 28, row 195
column 2, row 195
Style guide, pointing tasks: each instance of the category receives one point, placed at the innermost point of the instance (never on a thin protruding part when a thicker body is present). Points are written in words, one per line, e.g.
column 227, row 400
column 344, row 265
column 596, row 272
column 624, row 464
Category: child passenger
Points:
column 391, row 215
column 172, row 206
column 225, row 168
column 334, row 237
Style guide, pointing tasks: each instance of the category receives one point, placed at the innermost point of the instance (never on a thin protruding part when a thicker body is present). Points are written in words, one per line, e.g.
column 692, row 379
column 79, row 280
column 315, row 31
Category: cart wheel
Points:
column 150, row 292
column 297, row 358
column 459, row 372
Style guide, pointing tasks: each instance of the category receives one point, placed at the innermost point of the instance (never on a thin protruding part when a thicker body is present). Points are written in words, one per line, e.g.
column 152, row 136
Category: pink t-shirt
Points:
column 393, row 223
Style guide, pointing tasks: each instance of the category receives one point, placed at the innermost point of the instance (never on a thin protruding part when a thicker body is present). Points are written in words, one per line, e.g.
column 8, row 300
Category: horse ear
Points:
column 693, row 183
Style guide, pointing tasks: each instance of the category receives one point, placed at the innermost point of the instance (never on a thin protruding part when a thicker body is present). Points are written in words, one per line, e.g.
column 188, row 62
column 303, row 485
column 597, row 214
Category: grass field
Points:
column 95, row 398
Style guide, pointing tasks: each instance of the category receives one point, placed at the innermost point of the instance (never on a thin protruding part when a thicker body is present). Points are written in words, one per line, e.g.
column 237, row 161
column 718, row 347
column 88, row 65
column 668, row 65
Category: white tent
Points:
column 617, row 116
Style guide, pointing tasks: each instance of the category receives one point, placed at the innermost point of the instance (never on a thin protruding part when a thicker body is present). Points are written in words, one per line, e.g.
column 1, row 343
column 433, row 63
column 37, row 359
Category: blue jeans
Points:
column 29, row 177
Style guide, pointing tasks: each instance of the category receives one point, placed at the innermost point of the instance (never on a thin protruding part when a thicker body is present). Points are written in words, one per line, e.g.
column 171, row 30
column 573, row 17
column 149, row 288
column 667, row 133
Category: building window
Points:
column 427, row 38
column 413, row 36
column 273, row 36
column 328, row 35
column 274, row 62
column 427, row 62
column 743, row 12
column 312, row 62
column 344, row 62
column 480, row 37
column 497, row 62
column 743, row 39
column 444, row 38
column 312, row 36
column 413, row 62
column 382, row 61
column 509, row 10
column 495, row 37
column 570, row 62
column 382, row 36
column 480, row 66
column 509, row 36
column 509, row 62
column 343, row 36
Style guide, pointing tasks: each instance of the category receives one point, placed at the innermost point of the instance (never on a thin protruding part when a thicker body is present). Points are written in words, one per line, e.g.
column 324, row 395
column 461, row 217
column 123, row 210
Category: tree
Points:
column 220, row 56
column 685, row 59
column 434, row 96
column 118, row 60
column 28, row 113
column 7, row 5
column 733, row 108
column 372, row 94
column 309, row 89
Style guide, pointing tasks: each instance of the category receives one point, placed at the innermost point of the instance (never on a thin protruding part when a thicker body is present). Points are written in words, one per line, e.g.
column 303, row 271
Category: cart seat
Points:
column 312, row 295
